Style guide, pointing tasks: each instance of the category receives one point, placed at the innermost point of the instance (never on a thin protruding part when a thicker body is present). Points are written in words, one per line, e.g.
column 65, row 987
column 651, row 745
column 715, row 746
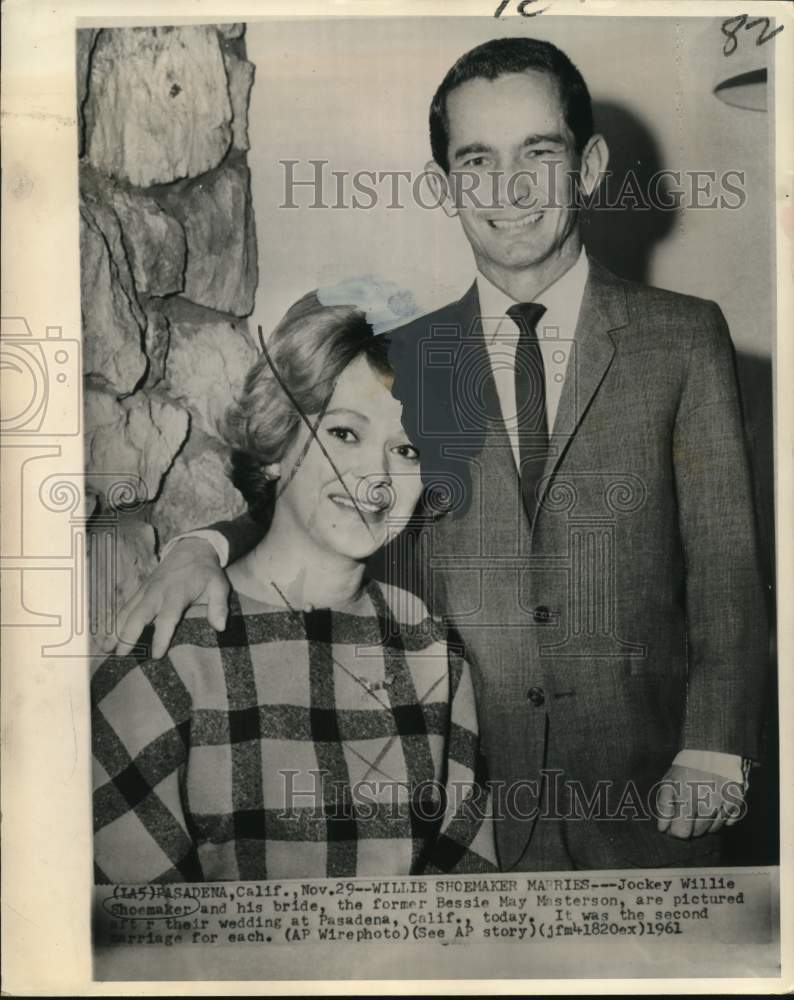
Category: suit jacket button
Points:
column 536, row 696
column 541, row 614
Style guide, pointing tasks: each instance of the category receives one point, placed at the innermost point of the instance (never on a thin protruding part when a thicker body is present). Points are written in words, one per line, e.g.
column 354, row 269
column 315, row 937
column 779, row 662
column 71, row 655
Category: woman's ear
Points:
column 439, row 184
column 273, row 470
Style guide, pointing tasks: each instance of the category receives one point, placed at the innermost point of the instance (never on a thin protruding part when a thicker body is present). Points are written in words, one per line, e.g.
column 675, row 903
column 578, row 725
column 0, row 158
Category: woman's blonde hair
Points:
column 294, row 378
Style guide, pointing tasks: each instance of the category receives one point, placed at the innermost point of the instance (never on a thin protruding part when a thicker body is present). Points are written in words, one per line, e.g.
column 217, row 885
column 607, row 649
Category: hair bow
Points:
column 384, row 303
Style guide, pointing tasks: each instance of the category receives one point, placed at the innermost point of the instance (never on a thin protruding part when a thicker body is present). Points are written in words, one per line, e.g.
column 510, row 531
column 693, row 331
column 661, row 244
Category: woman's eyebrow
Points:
column 351, row 413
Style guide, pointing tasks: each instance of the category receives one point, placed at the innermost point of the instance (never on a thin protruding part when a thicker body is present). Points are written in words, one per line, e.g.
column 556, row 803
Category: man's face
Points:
column 512, row 127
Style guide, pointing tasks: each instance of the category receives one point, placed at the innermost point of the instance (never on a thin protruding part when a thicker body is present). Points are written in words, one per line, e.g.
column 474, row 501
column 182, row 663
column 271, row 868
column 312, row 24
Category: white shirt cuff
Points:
column 725, row 765
column 217, row 540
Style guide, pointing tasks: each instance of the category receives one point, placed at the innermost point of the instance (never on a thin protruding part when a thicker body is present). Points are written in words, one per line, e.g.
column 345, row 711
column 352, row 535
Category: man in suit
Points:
column 596, row 553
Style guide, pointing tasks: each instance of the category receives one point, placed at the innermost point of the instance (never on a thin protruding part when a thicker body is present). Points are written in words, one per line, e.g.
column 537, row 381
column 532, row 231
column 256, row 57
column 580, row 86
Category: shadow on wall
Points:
column 624, row 240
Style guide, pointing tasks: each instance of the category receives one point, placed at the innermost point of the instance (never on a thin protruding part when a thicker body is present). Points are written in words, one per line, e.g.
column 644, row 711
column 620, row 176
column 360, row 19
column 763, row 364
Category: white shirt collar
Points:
column 562, row 299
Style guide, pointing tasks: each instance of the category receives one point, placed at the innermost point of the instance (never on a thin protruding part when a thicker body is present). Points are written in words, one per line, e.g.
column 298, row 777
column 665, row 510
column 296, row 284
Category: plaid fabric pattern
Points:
column 292, row 745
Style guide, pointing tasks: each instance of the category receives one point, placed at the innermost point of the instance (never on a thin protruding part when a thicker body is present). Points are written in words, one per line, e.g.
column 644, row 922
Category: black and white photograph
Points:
column 423, row 573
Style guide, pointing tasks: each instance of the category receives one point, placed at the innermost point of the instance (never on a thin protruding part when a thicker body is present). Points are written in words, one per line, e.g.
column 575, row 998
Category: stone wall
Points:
column 168, row 275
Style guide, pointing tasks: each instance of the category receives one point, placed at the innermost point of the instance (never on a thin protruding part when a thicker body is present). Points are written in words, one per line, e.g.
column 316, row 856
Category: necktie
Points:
column 530, row 384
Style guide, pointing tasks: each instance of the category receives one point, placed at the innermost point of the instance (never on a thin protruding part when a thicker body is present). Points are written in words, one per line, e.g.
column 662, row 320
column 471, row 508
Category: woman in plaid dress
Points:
column 329, row 730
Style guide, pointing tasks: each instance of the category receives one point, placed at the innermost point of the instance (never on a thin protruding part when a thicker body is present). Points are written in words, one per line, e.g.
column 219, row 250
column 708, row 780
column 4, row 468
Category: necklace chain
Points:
column 369, row 686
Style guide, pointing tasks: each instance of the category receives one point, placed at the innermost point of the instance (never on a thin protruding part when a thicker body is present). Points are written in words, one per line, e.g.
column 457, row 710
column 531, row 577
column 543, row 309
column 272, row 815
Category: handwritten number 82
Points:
column 730, row 27
column 734, row 24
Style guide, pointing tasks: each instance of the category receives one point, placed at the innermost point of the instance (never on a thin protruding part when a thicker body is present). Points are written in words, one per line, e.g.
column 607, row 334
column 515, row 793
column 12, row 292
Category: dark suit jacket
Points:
column 625, row 619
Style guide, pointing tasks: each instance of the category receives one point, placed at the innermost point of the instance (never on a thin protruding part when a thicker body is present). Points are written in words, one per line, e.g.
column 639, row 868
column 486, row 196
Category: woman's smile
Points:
column 369, row 510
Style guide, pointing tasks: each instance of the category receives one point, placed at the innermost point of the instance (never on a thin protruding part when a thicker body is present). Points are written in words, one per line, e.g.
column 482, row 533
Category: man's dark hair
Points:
column 513, row 55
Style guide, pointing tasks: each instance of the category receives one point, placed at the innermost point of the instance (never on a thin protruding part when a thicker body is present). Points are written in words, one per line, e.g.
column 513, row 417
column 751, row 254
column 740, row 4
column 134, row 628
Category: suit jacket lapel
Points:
column 603, row 310
column 475, row 382
column 478, row 436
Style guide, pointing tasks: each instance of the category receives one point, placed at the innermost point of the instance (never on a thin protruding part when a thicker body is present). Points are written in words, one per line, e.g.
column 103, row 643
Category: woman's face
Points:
column 358, row 481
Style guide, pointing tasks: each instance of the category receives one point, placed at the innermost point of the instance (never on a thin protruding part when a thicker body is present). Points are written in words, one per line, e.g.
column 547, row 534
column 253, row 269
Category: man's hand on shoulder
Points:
column 691, row 802
column 190, row 573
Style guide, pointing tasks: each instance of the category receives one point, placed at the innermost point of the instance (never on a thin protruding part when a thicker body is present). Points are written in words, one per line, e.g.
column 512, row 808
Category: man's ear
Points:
column 273, row 470
column 438, row 181
column 595, row 157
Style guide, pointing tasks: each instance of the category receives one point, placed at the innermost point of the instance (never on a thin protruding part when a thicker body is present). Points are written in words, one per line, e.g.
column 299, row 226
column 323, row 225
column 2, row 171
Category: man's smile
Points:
column 524, row 221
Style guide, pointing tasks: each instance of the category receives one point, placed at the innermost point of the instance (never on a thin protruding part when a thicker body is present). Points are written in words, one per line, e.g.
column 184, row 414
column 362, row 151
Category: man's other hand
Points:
column 189, row 574
column 691, row 803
